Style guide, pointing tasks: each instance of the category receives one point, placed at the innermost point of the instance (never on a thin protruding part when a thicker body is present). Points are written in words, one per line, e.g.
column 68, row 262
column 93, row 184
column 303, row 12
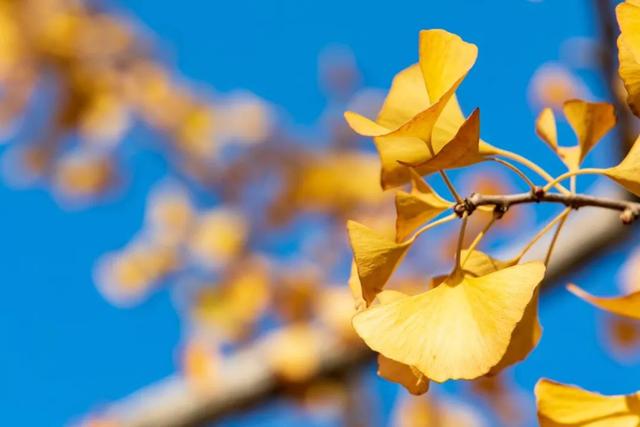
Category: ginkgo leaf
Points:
column 413, row 150
column 527, row 333
column 546, row 128
column 445, row 59
column 590, row 121
column 406, row 98
column 458, row 330
column 624, row 305
column 421, row 106
column 415, row 208
column 462, row 150
column 629, row 71
column 524, row 338
column 627, row 173
column 567, row 405
column 412, row 379
column 375, row 256
column 628, row 14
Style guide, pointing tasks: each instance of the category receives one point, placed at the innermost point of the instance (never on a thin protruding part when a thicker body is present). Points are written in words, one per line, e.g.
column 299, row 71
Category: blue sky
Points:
column 67, row 351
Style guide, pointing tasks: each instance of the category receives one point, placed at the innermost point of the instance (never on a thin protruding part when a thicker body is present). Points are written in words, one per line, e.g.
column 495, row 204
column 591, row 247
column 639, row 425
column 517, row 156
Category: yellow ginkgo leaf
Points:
column 590, row 121
column 445, row 59
column 628, row 14
column 406, row 98
column 567, row 405
column 524, row 338
column 624, row 305
column 415, row 208
column 421, row 106
column 546, row 128
column 458, row 330
column 412, row 379
column 527, row 333
column 375, row 257
column 462, row 150
column 627, row 173
column 629, row 71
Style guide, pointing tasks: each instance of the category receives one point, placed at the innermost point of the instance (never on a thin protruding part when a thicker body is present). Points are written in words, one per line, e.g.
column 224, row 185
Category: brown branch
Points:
column 502, row 202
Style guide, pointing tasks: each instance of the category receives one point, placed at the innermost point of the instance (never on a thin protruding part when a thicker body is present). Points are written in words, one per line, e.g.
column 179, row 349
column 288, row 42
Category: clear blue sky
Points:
column 66, row 350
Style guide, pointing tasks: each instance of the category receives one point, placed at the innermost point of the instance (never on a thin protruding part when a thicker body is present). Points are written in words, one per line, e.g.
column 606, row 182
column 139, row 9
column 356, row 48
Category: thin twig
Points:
column 450, row 186
column 544, row 230
column 515, row 169
column 478, row 238
column 631, row 210
column 463, row 228
column 556, row 234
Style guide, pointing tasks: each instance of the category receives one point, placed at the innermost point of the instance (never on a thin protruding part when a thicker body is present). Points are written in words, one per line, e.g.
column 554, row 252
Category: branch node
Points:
column 538, row 193
column 629, row 215
column 500, row 210
column 468, row 205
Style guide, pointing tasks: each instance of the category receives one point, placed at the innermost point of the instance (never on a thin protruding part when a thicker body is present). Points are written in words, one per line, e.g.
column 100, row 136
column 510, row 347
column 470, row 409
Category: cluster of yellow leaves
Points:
column 471, row 322
column 105, row 78
column 175, row 233
column 420, row 123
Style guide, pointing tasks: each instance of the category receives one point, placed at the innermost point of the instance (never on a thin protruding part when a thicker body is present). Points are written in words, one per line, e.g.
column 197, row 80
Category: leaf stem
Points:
column 556, row 233
column 541, row 233
column 573, row 173
column 450, row 186
column 515, row 169
column 531, row 165
column 477, row 240
column 433, row 224
column 463, row 228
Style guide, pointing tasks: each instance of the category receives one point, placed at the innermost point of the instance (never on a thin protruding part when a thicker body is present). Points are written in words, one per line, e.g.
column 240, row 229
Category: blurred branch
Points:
column 245, row 380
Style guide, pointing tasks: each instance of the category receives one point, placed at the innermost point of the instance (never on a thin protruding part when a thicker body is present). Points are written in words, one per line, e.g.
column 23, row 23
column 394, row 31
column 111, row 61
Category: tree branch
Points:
column 502, row 202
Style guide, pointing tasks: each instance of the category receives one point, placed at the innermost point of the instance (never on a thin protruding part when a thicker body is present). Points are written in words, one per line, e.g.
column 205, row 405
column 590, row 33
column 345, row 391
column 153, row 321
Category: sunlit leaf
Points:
column 409, row 377
column 629, row 70
column 624, row 305
column 590, row 122
column 546, row 128
column 527, row 333
column 457, row 330
column 628, row 14
column 421, row 107
column 462, row 150
column 375, row 257
column 567, row 405
column 627, row 173
column 415, row 208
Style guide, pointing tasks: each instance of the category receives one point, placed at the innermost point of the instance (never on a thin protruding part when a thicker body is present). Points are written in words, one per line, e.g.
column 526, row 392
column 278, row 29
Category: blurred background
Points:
column 175, row 183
